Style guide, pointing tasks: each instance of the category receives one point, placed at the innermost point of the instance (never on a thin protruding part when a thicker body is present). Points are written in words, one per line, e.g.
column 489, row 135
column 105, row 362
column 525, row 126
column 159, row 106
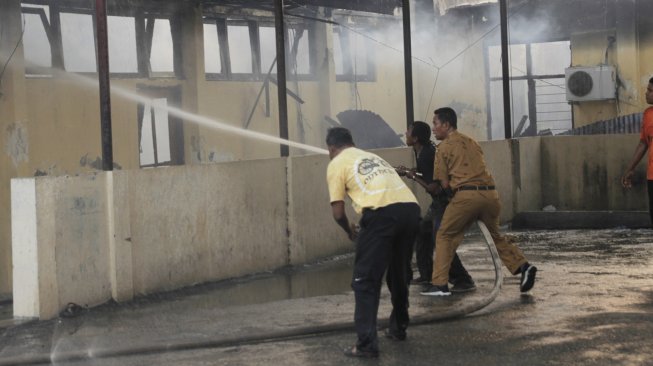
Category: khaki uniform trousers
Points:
column 463, row 210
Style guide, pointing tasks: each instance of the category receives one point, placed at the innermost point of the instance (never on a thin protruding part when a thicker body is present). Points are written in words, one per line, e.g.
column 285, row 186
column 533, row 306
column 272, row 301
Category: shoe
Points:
column 399, row 335
column 527, row 277
column 419, row 281
column 434, row 290
column 463, row 286
column 355, row 352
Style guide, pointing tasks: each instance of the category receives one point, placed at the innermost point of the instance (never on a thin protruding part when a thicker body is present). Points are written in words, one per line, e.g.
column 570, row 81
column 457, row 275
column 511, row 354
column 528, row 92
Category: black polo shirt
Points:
column 425, row 164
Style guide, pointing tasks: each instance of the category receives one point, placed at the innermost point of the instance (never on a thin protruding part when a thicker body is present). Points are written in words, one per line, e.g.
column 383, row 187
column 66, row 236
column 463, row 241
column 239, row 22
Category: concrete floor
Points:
column 592, row 305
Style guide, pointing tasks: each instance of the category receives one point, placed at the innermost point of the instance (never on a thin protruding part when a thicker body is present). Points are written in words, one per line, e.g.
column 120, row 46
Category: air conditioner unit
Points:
column 585, row 83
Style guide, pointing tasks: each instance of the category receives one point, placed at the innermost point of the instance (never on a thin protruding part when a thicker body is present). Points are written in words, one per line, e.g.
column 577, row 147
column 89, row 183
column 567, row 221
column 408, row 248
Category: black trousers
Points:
column 649, row 186
column 384, row 242
column 425, row 244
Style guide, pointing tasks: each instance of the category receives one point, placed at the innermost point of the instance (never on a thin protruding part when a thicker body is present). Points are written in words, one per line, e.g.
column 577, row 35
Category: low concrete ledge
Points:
column 564, row 220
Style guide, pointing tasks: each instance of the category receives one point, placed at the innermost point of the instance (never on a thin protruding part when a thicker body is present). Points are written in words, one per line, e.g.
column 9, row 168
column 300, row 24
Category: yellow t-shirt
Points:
column 369, row 180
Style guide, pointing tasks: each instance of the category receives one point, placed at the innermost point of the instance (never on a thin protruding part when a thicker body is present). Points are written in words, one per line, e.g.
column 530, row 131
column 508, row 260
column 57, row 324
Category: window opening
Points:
column 538, row 98
column 160, row 134
column 36, row 39
column 77, row 36
column 161, row 50
column 212, row 62
column 240, row 49
column 122, row 44
column 353, row 56
column 246, row 50
column 300, row 52
column 268, row 49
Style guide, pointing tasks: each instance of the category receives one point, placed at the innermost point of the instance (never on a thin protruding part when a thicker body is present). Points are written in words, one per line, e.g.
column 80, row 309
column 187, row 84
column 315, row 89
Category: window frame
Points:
column 529, row 77
column 257, row 74
column 349, row 75
column 143, row 41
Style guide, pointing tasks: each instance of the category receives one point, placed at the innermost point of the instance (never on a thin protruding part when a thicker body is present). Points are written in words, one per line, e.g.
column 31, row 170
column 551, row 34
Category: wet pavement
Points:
column 592, row 305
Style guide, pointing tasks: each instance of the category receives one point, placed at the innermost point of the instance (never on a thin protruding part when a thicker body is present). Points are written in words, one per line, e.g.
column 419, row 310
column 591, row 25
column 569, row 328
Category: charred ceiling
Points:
column 129, row 7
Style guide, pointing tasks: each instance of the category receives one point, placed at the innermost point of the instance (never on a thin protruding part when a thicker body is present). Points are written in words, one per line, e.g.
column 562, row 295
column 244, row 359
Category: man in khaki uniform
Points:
column 460, row 166
column 390, row 216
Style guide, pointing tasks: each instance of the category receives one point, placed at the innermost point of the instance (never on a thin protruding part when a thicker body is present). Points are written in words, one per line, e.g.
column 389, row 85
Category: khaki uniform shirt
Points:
column 369, row 180
column 459, row 159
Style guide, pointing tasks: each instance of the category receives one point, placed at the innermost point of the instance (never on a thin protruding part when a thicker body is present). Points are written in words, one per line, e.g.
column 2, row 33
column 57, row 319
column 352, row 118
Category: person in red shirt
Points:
column 645, row 139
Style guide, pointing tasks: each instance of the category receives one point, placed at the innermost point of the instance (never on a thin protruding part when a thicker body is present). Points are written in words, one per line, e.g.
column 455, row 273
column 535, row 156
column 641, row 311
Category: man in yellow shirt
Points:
column 389, row 222
column 459, row 165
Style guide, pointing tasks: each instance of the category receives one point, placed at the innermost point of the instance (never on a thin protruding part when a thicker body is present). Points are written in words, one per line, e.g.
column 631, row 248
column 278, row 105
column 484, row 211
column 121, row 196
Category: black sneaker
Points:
column 420, row 281
column 397, row 335
column 434, row 290
column 463, row 286
column 355, row 352
column 527, row 278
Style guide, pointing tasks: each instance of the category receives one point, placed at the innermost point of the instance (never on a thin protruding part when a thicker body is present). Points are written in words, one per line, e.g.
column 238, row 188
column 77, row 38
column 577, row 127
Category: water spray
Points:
column 192, row 117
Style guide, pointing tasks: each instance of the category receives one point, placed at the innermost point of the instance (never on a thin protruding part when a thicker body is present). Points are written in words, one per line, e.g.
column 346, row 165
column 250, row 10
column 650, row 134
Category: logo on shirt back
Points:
column 368, row 165
column 369, row 168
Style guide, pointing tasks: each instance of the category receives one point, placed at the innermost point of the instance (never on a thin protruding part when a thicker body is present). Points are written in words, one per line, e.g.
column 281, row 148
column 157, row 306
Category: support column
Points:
column 505, row 68
column 191, row 49
column 408, row 63
column 280, row 28
column 102, row 43
column 13, row 126
column 326, row 71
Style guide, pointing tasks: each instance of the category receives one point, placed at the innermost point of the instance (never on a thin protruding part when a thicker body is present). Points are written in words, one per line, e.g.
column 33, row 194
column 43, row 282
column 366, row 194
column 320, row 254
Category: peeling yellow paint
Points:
column 17, row 144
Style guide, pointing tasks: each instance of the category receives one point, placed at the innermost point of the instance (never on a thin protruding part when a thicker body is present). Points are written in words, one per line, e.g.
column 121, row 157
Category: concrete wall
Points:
column 527, row 174
column 60, row 243
column 584, row 172
column 89, row 238
column 313, row 234
column 93, row 237
column 206, row 222
column 498, row 157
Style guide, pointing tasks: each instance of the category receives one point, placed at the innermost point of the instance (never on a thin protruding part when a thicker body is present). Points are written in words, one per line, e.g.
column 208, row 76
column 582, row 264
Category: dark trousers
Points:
column 384, row 242
column 649, row 185
column 425, row 244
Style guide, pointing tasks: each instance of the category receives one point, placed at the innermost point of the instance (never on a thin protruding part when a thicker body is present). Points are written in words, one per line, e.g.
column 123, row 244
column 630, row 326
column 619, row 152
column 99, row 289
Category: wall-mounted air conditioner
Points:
column 585, row 83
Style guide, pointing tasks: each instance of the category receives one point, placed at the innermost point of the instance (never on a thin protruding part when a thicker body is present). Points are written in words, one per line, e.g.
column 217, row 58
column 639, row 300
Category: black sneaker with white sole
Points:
column 434, row 290
column 527, row 278
column 463, row 286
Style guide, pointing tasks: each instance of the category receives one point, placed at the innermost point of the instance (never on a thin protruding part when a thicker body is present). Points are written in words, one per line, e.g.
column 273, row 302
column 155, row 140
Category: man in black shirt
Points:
column 418, row 136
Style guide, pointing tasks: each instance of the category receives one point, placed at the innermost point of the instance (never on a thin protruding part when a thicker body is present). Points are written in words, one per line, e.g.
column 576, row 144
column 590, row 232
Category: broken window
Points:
column 155, row 134
column 352, row 55
column 68, row 41
column 240, row 49
column 161, row 51
column 77, row 37
column 160, row 135
column 537, row 83
column 246, row 50
column 36, row 45
column 300, row 52
column 122, row 44
column 212, row 61
column 268, row 46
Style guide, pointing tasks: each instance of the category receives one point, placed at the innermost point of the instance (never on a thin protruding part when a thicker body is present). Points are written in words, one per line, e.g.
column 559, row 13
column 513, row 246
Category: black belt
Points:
column 474, row 188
